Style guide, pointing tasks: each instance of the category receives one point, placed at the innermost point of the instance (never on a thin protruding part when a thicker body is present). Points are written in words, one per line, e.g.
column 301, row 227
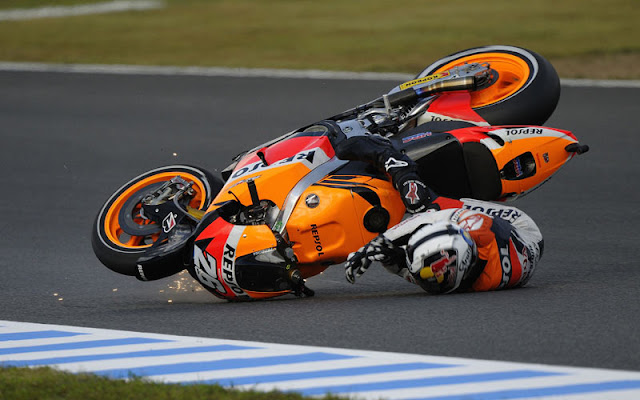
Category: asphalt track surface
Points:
column 67, row 141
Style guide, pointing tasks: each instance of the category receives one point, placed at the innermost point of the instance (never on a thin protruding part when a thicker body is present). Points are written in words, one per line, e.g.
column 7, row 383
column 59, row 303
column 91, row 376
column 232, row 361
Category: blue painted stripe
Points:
column 80, row 345
column 233, row 363
column 426, row 382
column 132, row 354
column 542, row 392
column 37, row 335
column 353, row 371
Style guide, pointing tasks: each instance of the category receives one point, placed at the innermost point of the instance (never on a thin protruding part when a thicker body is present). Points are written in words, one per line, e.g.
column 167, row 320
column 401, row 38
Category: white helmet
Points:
column 439, row 256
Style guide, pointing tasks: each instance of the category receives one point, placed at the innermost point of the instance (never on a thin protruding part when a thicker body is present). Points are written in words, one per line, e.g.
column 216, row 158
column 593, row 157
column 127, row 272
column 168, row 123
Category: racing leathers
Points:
column 380, row 152
column 508, row 245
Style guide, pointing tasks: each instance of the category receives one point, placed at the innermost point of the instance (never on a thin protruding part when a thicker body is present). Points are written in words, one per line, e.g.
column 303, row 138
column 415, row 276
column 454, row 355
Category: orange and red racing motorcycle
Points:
column 288, row 209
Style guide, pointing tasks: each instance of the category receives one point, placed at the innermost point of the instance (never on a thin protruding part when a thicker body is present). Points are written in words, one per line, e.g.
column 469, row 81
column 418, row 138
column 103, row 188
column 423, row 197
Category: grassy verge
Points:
column 13, row 4
column 583, row 38
column 47, row 383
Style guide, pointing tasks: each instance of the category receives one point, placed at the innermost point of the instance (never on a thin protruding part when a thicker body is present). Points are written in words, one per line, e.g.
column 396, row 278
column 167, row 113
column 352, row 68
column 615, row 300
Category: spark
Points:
column 183, row 283
column 175, row 154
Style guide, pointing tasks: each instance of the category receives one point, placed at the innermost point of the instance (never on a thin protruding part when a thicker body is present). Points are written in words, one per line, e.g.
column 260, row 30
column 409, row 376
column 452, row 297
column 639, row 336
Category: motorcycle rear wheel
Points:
column 119, row 250
column 525, row 89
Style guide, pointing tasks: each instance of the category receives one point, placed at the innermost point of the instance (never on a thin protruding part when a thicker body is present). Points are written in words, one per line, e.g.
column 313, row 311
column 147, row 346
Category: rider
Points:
column 468, row 245
column 456, row 245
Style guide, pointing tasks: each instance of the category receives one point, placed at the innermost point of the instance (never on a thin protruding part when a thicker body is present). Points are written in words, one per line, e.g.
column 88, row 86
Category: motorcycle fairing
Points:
column 214, row 257
column 229, row 256
column 527, row 156
column 221, row 253
column 284, row 150
column 524, row 156
column 452, row 107
column 287, row 162
column 487, row 163
column 345, row 204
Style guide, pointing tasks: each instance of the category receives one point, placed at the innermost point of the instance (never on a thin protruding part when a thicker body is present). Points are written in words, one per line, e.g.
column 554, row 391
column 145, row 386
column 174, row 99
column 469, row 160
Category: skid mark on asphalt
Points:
column 304, row 369
column 83, row 9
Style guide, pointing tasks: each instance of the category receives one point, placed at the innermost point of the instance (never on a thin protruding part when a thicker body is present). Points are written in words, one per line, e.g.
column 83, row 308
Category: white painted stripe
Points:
column 603, row 83
column 63, row 340
column 138, row 362
column 273, row 370
column 200, row 71
column 298, row 384
column 49, row 341
column 30, row 328
column 101, row 350
column 617, row 395
column 83, row 9
column 471, row 389
column 260, row 73
column 378, row 377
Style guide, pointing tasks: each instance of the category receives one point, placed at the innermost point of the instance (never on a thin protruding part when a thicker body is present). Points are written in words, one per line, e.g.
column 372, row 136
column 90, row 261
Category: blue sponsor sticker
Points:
column 417, row 136
column 518, row 168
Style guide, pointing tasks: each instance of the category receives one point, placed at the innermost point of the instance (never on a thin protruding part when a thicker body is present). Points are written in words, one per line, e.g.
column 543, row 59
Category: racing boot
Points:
column 381, row 153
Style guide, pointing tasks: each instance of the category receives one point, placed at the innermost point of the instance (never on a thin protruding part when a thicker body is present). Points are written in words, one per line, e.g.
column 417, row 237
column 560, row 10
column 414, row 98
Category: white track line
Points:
column 84, row 9
column 200, row 71
column 258, row 73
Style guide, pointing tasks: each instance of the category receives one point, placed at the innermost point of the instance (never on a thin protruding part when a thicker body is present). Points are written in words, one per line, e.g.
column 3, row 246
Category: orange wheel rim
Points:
column 513, row 74
column 112, row 227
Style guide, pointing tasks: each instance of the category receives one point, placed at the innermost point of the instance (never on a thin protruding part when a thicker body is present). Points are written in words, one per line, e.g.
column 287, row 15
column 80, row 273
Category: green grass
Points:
column 50, row 384
column 583, row 38
column 12, row 4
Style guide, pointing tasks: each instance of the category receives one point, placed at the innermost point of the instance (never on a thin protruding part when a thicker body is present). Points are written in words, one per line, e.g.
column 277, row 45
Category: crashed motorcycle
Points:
column 286, row 210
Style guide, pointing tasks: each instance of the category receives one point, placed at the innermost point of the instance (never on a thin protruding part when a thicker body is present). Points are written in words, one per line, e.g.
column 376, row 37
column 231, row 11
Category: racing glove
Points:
column 378, row 249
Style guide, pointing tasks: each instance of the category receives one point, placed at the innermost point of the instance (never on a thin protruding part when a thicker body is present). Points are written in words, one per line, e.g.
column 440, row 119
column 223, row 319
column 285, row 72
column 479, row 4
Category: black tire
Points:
column 107, row 239
column 531, row 104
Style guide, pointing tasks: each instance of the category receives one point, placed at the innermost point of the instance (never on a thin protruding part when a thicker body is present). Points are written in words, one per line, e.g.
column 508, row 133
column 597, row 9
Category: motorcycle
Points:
column 286, row 210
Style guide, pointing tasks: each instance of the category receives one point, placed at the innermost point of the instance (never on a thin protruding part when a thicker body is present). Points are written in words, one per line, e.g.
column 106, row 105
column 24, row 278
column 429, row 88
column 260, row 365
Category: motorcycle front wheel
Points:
column 120, row 234
column 524, row 89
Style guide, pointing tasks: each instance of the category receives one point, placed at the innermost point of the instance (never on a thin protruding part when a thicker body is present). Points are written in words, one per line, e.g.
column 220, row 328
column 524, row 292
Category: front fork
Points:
column 160, row 205
column 169, row 208
column 293, row 274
